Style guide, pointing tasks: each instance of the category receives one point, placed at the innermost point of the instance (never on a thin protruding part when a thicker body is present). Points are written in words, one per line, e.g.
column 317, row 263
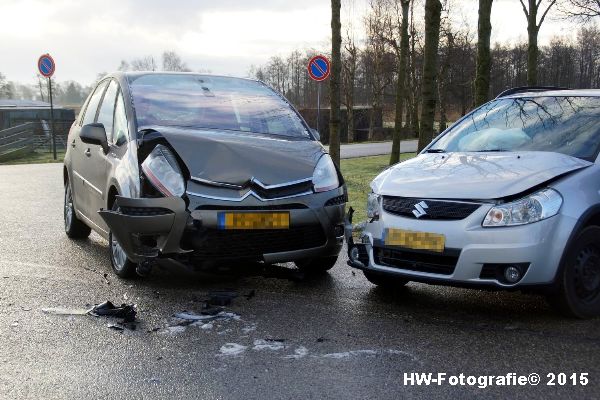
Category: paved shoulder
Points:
column 375, row 149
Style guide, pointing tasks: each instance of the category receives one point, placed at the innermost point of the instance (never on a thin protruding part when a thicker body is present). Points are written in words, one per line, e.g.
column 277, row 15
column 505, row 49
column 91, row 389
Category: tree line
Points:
column 424, row 67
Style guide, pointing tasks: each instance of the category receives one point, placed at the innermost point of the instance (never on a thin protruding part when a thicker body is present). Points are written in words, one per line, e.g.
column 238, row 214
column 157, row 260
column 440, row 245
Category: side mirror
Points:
column 94, row 134
column 316, row 134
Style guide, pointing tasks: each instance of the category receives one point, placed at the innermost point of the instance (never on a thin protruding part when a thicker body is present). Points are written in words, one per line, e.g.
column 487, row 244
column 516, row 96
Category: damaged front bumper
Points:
column 188, row 230
column 148, row 227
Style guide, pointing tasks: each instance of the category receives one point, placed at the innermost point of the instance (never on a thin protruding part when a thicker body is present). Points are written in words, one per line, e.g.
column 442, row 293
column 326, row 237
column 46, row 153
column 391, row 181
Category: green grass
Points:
column 37, row 158
column 358, row 173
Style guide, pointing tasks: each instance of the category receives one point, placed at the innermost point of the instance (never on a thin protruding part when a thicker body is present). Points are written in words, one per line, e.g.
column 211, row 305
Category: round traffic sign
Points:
column 319, row 68
column 46, row 65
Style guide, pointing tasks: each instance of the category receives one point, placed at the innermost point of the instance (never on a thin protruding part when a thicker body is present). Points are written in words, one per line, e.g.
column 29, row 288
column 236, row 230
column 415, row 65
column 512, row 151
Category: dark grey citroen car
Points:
column 200, row 169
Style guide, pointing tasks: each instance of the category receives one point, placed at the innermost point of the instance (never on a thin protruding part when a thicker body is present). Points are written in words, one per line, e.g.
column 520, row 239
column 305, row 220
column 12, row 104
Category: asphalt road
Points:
column 375, row 149
column 331, row 337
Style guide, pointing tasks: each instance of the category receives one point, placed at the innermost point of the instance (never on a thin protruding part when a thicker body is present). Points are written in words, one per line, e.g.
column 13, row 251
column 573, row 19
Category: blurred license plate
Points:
column 415, row 240
column 234, row 220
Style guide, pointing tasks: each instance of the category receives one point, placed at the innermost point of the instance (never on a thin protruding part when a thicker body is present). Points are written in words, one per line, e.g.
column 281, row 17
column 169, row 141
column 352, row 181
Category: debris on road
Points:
column 232, row 349
column 299, row 352
column 65, row 311
column 108, row 309
column 269, row 344
column 125, row 312
column 221, row 297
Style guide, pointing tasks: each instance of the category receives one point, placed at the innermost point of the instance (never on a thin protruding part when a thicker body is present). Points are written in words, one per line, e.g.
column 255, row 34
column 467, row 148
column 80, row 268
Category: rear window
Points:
column 560, row 124
column 208, row 102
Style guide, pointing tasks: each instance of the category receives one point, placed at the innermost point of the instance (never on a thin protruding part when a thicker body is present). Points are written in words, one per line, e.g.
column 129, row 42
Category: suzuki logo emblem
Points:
column 420, row 208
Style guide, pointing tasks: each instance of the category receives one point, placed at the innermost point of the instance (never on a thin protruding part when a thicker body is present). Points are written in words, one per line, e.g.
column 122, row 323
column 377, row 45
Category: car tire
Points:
column 74, row 228
column 316, row 265
column 578, row 293
column 384, row 281
column 122, row 266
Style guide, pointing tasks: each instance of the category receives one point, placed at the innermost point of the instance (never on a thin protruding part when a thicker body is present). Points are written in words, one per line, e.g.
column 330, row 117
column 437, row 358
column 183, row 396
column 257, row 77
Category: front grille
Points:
column 336, row 201
column 216, row 243
column 282, row 191
column 434, row 263
column 435, row 209
column 144, row 211
column 291, row 206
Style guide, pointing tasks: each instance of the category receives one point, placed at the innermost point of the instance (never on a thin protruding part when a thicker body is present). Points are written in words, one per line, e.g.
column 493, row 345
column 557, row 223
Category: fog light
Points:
column 354, row 253
column 512, row 274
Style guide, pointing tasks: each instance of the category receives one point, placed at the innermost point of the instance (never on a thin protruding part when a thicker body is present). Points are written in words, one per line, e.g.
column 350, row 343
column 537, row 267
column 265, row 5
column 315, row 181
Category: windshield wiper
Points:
column 435, row 151
column 490, row 151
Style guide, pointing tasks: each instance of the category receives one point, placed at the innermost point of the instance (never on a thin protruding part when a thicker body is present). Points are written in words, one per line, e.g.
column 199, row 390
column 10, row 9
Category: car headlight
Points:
column 162, row 169
column 373, row 206
column 325, row 176
column 535, row 207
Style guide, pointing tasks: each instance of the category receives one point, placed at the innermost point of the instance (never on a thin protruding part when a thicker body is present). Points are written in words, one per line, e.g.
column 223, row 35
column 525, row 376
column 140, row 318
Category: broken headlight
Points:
column 325, row 176
column 162, row 170
column 373, row 206
column 535, row 207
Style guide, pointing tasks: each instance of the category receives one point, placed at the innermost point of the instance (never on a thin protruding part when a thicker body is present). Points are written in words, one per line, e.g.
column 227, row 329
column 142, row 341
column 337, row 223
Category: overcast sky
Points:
column 223, row 36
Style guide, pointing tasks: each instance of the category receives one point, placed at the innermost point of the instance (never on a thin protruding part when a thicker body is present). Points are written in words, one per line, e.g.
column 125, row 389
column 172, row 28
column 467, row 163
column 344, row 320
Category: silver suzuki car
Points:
column 200, row 169
column 508, row 197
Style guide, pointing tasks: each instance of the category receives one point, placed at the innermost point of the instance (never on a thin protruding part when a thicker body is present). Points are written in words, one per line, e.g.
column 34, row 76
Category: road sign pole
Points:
column 52, row 118
column 318, row 106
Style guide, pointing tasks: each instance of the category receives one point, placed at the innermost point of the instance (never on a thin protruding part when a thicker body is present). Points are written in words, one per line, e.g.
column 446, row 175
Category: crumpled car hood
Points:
column 473, row 175
column 237, row 157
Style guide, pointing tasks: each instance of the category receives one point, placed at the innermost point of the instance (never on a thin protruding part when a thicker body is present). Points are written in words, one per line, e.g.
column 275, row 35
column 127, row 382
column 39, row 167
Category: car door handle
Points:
column 88, row 152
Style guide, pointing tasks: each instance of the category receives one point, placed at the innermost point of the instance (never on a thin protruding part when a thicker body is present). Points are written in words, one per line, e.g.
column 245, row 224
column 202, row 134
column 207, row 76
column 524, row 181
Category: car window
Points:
column 107, row 109
column 562, row 124
column 213, row 102
column 121, row 130
column 90, row 111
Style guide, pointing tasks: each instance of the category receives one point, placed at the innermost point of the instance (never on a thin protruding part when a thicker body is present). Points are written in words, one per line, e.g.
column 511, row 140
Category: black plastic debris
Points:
column 108, row 309
column 221, row 297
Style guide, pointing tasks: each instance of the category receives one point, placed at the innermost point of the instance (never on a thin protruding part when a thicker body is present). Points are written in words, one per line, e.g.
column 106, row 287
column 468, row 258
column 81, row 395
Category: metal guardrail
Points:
column 16, row 141
column 22, row 139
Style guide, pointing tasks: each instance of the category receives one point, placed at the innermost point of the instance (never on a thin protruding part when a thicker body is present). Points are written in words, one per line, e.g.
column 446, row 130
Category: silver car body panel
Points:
column 540, row 244
column 473, row 175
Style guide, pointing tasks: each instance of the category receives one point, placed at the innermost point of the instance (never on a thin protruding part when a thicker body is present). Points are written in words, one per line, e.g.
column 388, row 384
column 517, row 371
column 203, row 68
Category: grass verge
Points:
column 37, row 158
column 358, row 173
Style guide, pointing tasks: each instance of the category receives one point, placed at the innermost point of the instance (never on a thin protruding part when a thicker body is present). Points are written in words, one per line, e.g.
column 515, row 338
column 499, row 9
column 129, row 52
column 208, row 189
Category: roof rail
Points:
column 523, row 89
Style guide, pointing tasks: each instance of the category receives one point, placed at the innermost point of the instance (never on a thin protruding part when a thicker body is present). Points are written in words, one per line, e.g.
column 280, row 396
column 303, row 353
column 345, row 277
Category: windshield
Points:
column 567, row 125
column 213, row 103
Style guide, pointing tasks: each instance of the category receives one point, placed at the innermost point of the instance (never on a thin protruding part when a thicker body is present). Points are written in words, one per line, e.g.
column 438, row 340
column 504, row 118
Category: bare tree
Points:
column 146, row 63
column 484, row 32
column 433, row 11
column 171, row 61
column 582, row 10
column 5, row 88
column 350, row 61
column 334, row 81
column 531, row 11
column 401, row 84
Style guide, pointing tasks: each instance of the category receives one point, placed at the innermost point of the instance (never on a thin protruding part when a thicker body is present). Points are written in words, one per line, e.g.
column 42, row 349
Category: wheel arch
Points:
column 590, row 217
column 113, row 192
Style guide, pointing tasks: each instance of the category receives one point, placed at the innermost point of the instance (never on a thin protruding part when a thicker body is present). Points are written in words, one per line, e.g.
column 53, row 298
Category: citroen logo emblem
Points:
column 420, row 208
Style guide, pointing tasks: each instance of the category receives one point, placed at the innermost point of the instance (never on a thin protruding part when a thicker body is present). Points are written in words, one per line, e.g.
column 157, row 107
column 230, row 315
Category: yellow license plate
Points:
column 263, row 220
column 415, row 240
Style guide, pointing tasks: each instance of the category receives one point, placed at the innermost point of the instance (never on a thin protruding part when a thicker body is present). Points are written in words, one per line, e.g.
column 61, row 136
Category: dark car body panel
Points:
column 226, row 170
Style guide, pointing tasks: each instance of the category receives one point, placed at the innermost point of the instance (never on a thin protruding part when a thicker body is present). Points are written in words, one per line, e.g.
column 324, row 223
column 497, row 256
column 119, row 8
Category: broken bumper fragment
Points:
column 147, row 227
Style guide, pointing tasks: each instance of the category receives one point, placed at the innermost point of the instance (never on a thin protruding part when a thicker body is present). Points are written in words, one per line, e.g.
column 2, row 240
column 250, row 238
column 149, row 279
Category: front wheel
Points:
column 74, row 228
column 578, row 292
column 316, row 265
column 121, row 264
